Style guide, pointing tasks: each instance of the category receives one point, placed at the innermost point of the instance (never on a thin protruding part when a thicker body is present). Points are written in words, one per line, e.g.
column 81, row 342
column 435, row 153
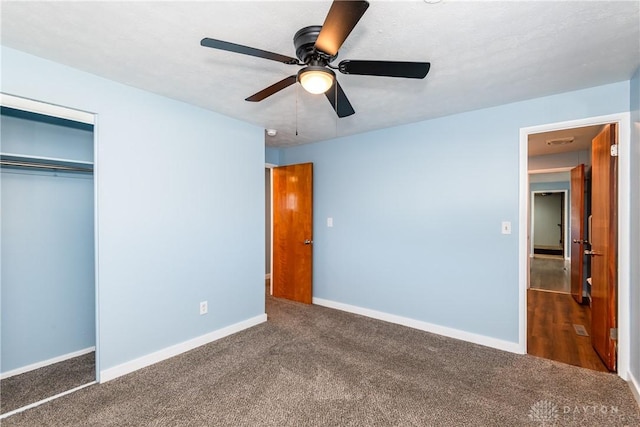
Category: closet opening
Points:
column 48, row 290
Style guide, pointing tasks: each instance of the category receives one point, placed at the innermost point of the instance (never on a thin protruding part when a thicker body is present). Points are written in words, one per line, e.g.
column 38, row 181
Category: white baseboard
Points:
column 267, row 276
column 634, row 385
column 511, row 347
column 47, row 362
column 174, row 350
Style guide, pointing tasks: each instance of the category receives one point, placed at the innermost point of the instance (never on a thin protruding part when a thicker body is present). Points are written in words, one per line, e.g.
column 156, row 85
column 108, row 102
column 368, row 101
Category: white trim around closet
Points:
column 39, row 107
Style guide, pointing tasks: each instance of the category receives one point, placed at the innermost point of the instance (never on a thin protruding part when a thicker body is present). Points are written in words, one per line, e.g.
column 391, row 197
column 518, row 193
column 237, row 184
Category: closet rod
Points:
column 44, row 166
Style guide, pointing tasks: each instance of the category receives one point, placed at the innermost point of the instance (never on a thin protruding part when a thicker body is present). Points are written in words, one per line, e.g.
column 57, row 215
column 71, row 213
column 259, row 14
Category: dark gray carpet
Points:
column 313, row 366
column 24, row 389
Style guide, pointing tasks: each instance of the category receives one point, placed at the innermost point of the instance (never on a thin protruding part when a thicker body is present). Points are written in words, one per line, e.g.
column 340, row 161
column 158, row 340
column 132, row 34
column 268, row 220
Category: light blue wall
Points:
column 180, row 209
column 272, row 155
column 28, row 136
column 560, row 160
column 418, row 208
column 635, row 223
column 551, row 186
column 48, row 300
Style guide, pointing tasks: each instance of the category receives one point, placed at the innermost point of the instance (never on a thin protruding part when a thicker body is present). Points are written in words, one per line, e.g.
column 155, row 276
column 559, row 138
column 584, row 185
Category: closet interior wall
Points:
column 47, row 246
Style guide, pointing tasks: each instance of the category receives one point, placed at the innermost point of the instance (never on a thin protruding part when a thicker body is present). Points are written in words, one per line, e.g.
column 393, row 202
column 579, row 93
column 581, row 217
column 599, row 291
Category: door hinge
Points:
column 614, row 150
column 613, row 334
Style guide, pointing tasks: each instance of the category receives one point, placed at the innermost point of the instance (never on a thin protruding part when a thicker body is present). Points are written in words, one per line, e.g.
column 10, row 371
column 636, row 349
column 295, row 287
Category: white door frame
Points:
column 270, row 166
column 623, row 121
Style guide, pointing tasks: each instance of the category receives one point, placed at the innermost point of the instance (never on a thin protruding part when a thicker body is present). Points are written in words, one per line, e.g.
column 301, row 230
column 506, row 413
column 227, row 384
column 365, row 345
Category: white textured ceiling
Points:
column 482, row 53
column 581, row 136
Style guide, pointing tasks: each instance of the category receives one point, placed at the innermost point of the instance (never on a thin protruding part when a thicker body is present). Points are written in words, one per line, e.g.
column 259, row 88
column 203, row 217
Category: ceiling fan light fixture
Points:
column 317, row 47
column 316, row 79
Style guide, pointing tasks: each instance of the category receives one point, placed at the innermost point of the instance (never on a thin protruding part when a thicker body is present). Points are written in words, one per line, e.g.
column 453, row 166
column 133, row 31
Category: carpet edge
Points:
column 47, row 362
column 174, row 350
column 511, row 347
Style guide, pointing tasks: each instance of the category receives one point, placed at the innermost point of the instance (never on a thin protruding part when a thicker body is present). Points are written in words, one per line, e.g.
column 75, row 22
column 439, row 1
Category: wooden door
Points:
column 578, row 237
column 604, row 246
column 293, row 232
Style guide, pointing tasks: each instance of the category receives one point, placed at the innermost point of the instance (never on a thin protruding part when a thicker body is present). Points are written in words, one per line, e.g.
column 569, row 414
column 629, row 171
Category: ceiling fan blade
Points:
column 246, row 50
column 343, row 107
column 277, row 87
column 411, row 70
column 342, row 17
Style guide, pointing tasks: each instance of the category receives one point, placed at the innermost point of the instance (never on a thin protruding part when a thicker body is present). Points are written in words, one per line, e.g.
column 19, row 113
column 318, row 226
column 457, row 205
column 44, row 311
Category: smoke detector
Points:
column 272, row 132
column 560, row 141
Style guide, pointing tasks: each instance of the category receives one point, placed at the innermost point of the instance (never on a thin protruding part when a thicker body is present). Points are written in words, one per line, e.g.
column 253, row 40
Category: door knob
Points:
column 308, row 242
column 592, row 253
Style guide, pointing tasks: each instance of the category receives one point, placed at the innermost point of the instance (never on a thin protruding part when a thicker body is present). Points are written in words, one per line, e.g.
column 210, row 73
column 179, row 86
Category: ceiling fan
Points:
column 316, row 47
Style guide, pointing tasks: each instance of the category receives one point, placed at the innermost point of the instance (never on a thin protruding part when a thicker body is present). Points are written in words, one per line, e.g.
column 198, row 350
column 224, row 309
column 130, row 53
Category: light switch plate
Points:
column 329, row 222
column 506, row 227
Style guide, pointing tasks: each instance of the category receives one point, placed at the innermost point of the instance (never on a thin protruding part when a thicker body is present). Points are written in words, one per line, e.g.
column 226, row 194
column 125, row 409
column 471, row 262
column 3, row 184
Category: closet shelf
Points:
column 38, row 162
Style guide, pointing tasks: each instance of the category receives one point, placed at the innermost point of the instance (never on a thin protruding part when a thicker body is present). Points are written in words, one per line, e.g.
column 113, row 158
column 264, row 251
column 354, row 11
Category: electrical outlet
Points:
column 204, row 307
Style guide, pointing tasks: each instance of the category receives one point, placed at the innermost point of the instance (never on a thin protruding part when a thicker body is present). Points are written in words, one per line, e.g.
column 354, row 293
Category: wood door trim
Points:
column 604, row 244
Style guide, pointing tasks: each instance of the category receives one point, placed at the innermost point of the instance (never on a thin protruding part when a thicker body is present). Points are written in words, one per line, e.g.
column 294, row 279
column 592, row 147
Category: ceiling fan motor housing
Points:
column 304, row 41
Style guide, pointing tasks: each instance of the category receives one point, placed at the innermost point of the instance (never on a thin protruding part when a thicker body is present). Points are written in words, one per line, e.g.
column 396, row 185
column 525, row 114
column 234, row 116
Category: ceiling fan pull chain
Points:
column 296, row 110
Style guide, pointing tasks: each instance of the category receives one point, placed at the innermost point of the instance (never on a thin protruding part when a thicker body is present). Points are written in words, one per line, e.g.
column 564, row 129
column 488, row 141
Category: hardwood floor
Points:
column 550, row 331
column 550, row 273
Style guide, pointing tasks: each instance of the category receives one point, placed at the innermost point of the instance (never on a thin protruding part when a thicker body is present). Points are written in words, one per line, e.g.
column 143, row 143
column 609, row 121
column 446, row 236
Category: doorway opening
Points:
column 550, row 266
column 545, row 303
column 268, row 228
column 292, row 274
column 49, row 320
column 549, row 223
